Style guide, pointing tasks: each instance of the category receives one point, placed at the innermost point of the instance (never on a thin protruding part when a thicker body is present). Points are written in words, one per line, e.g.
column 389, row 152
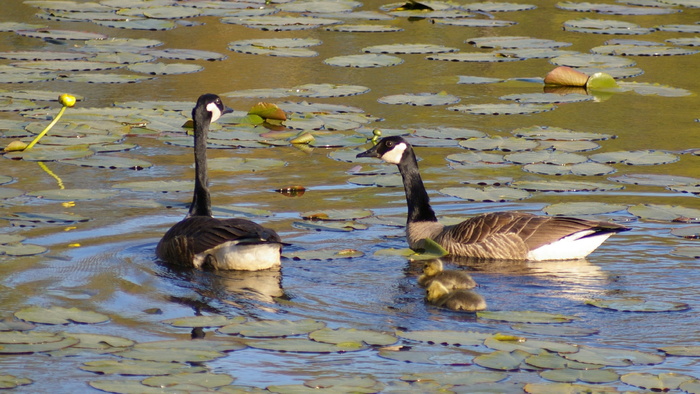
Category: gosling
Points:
column 451, row 279
column 460, row 300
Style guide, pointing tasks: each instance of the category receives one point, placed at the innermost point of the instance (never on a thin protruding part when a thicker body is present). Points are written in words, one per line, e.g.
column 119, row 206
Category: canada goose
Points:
column 452, row 279
column 457, row 300
column 200, row 240
column 499, row 235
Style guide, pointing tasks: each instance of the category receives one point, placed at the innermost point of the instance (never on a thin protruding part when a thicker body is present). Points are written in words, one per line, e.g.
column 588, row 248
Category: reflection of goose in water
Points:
column 498, row 235
column 457, row 299
column 452, row 279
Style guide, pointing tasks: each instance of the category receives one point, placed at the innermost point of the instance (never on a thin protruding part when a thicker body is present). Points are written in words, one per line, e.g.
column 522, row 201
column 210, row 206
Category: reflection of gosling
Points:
column 452, row 279
column 456, row 300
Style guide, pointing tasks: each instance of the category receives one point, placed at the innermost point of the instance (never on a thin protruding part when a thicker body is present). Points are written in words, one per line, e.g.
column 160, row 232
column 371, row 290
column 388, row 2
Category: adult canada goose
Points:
column 200, row 240
column 452, row 279
column 499, row 235
column 457, row 300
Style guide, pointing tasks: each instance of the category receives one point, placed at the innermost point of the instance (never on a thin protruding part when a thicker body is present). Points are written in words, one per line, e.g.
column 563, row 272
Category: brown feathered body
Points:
column 498, row 235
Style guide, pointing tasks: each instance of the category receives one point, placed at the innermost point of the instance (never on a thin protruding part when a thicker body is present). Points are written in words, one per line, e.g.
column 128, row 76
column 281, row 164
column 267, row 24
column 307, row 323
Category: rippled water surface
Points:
column 106, row 264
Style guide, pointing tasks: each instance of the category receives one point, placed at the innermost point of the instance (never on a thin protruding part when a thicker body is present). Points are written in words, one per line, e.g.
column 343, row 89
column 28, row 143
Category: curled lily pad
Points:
column 639, row 305
column 138, row 367
column 525, row 316
column 59, row 315
column 488, row 194
column 364, row 61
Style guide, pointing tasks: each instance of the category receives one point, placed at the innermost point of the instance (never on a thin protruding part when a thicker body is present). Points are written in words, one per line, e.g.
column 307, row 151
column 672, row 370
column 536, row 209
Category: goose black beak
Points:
column 371, row 152
column 227, row 110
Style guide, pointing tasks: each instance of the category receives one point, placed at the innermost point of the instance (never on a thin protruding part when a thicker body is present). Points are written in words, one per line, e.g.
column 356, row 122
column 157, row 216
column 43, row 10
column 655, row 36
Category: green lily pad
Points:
column 408, row 49
column 604, row 26
column 328, row 90
column 550, row 360
column 685, row 351
column 445, row 337
column 302, row 345
column 569, row 146
column 655, row 179
column 72, row 194
column 640, row 157
column 532, row 346
column 670, row 213
column 428, row 355
column 69, row 65
column 357, row 383
column 203, row 321
column 547, row 98
column 582, row 169
column 471, row 22
column 206, row 379
column 582, row 208
column 180, row 351
column 502, row 109
column 660, row 382
column 105, row 78
column 558, row 134
column 21, row 249
column 691, row 232
column 139, row 24
column 473, row 80
column 497, row 6
column 498, row 143
column 98, row 341
column 8, row 192
column 364, row 61
column 553, row 388
column 456, row 378
column 272, row 328
column 323, row 254
column 61, row 342
column 639, row 305
column 156, row 186
column 487, row 194
column 614, row 9
column 363, row 28
column 613, row 357
column 59, row 315
column 546, row 157
column 687, row 251
column 343, row 335
column 51, row 153
column 340, row 226
column 477, row 57
column 280, row 23
column 653, row 89
column 502, row 360
column 679, row 28
column 563, row 186
column 592, row 60
column 11, row 238
column 124, row 386
column 456, row 133
column 319, row 6
column 49, row 218
column 240, row 164
column 11, row 381
column 420, row 99
column 525, row 316
column 164, row 68
column 582, row 375
column 138, row 367
column 57, row 34
column 336, row 214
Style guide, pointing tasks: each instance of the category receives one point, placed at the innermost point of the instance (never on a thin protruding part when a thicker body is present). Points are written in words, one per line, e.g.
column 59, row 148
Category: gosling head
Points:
column 432, row 267
column 389, row 149
column 435, row 291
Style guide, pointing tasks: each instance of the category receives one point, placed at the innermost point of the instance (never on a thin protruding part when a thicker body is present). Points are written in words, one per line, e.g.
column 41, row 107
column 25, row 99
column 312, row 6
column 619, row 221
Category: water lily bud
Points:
column 66, row 100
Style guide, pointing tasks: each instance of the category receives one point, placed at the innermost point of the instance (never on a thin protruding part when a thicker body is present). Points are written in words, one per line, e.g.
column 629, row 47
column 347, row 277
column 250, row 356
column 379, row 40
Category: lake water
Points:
column 106, row 264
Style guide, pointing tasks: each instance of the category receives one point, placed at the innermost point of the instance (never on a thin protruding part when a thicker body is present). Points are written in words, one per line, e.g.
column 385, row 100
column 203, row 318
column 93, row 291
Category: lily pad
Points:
column 592, row 60
column 487, row 194
column 343, row 335
column 323, row 254
column 203, row 321
column 655, row 179
column 420, row 99
column 660, row 382
column 502, row 360
column 49, row 218
column 340, row 226
column 477, row 57
column 72, row 194
column 21, row 249
column 364, row 61
column 51, row 153
column 60, row 315
column 686, row 351
column 272, row 328
column 582, row 208
column 156, row 186
column 687, row 251
column 337, row 214
column 206, row 379
column 302, row 345
column 671, row 213
column 691, row 232
column 547, row 98
column 138, row 367
column 11, row 381
column 545, row 133
column 328, row 90
column 502, row 109
column 164, row 68
column 57, row 34
column 532, row 346
column 563, row 186
column 428, row 355
column 639, row 305
column 583, row 169
column 604, row 26
column 240, row 164
column 525, row 316
column 456, row 378
column 653, row 89
column 640, row 157
column 408, row 49
column 582, row 375
column 614, row 357
column 445, row 337
column 546, row 157
column 550, row 360
column 52, row 344
column 186, row 351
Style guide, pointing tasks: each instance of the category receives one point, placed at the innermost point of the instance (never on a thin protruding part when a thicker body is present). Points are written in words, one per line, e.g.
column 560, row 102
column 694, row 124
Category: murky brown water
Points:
column 113, row 270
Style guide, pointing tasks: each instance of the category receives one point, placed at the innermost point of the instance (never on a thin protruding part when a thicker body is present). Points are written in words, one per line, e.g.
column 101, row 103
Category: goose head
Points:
column 209, row 108
column 390, row 149
column 432, row 267
column 435, row 291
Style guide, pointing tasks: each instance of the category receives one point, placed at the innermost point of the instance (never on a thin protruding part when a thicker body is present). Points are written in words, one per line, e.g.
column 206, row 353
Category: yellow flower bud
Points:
column 67, row 100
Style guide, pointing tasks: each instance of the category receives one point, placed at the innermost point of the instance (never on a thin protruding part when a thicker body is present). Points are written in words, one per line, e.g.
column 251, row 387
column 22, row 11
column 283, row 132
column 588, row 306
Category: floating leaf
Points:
column 364, row 61
column 456, row 378
column 240, row 164
column 558, row 158
column 408, row 48
column 59, row 315
column 488, row 194
column 203, row 321
column 604, row 26
column 550, row 360
column 582, row 208
column 272, row 328
column 21, row 249
column 336, row 214
column 420, row 99
column 692, row 232
column 164, row 69
column 613, row 357
column 55, row 34
column 592, row 60
column 302, row 345
column 328, row 90
column 532, row 346
column 323, row 254
column 545, row 133
column 51, row 344
column 446, row 337
column 347, row 335
column 341, row 226
column 660, row 382
column 665, row 213
column 650, row 89
column 99, row 341
column 186, row 351
column 655, row 179
column 502, row 109
column 639, row 305
column 561, row 186
column 11, row 381
column 206, row 379
column 50, row 218
column 478, row 57
column 428, row 355
column 72, row 194
column 502, row 360
column 583, row 375
column 525, row 316
column 686, row 351
column 583, row 169
column 547, row 98
column 138, row 367
column 687, row 251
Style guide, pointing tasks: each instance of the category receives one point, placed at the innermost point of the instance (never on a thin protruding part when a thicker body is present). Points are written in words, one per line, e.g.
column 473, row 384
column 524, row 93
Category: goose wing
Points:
column 197, row 234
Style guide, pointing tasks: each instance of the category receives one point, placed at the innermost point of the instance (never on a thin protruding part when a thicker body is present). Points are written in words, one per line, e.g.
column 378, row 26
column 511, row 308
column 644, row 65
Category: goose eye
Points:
column 389, row 144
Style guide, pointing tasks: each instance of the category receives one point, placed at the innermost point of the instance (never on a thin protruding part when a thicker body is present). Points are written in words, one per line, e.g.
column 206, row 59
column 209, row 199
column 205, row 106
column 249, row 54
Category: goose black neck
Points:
column 201, row 201
column 419, row 209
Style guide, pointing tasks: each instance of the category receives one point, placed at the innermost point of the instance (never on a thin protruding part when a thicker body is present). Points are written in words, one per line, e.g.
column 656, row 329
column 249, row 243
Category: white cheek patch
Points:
column 214, row 110
column 394, row 155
